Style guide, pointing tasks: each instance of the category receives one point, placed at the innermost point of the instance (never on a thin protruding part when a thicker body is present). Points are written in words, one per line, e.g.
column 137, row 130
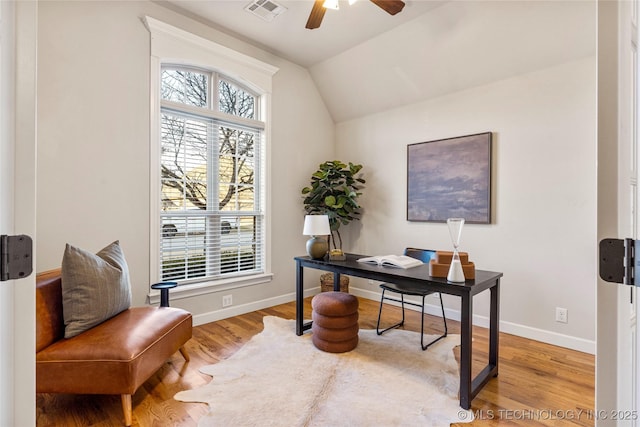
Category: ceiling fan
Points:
column 317, row 13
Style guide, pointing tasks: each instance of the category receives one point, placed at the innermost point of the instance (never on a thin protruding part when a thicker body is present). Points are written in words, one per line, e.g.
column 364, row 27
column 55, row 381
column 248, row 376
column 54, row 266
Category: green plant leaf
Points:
column 334, row 191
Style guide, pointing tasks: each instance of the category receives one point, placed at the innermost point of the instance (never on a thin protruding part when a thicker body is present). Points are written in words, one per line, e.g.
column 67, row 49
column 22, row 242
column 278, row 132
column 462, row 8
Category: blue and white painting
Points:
column 450, row 178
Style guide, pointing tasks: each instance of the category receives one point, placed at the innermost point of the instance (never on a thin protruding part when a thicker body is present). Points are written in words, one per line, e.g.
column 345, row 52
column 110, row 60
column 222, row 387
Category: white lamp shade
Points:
column 316, row 225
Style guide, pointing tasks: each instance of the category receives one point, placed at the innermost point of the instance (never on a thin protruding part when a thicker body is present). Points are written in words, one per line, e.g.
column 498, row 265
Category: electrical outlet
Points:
column 227, row 300
column 370, row 282
column 562, row 315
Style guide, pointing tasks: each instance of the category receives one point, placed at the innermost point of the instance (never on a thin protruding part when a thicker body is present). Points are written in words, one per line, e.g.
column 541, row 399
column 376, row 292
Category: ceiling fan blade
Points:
column 316, row 15
column 390, row 6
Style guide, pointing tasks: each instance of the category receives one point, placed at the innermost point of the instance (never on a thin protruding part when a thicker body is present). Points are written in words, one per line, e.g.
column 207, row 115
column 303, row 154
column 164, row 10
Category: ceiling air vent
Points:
column 265, row 9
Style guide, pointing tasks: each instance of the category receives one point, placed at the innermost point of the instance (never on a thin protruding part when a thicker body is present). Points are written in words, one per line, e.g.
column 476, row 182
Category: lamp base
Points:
column 317, row 247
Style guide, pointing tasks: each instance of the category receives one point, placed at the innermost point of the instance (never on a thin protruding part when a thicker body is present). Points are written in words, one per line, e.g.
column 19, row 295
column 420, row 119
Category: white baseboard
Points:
column 236, row 310
column 567, row 341
column 554, row 338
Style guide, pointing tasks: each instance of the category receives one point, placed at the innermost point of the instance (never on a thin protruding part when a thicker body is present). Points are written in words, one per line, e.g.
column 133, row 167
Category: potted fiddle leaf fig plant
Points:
column 334, row 191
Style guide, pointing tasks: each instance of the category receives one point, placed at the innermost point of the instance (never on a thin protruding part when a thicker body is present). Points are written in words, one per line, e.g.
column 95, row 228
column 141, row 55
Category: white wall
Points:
column 93, row 151
column 543, row 236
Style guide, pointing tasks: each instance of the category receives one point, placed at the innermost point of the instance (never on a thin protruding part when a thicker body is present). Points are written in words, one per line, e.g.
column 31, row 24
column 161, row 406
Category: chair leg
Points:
column 126, row 408
column 183, row 352
column 380, row 332
column 444, row 318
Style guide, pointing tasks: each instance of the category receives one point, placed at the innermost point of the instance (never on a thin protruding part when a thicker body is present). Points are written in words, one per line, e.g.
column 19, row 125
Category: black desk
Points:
column 419, row 276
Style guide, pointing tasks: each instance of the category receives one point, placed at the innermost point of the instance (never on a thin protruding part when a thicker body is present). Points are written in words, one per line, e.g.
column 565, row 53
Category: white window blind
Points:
column 211, row 216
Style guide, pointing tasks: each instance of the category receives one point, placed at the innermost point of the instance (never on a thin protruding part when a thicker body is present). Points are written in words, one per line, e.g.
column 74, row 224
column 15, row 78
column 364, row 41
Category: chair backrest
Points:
column 424, row 255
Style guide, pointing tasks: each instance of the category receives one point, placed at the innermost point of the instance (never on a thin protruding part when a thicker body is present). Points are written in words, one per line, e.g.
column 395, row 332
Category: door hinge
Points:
column 618, row 261
column 16, row 257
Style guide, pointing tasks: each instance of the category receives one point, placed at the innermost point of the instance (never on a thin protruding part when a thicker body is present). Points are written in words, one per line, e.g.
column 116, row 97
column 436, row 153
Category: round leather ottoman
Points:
column 335, row 322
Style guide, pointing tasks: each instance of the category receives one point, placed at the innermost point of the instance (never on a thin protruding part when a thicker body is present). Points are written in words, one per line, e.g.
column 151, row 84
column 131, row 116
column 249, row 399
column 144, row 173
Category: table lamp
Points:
column 315, row 226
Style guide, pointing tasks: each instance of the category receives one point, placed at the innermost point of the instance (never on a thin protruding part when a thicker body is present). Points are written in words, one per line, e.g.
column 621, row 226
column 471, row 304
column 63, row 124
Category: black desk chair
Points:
column 425, row 256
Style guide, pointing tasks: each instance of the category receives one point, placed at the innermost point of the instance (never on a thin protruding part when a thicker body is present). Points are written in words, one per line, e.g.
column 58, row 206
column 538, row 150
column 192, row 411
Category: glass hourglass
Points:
column 455, row 231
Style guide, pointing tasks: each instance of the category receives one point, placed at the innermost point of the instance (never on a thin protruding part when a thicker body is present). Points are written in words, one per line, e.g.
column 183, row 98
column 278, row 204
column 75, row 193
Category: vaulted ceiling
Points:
column 286, row 35
column 365, row 61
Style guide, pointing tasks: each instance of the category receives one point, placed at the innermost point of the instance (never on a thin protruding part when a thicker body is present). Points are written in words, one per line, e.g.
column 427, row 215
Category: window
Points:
column 211, row 215
column 209, row 128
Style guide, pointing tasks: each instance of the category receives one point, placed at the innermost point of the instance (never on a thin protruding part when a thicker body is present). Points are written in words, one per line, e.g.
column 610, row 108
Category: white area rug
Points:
column 281, row 379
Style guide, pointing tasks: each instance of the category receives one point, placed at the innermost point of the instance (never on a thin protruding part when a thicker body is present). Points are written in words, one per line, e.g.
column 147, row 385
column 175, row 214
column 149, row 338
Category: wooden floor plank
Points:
column 538, row 385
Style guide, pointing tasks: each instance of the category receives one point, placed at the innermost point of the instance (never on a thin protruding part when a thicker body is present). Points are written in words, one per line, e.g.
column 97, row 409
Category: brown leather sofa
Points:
column 114, row 357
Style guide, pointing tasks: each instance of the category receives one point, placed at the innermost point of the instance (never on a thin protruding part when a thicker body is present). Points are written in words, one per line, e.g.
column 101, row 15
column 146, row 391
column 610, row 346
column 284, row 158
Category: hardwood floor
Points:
column 538, row 385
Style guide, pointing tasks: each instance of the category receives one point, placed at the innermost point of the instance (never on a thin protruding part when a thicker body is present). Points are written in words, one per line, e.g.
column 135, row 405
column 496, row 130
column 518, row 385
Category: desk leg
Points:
column 299, row 299
column 336, row 282
column 469, row 387
column 494, row 328
column 466, row 332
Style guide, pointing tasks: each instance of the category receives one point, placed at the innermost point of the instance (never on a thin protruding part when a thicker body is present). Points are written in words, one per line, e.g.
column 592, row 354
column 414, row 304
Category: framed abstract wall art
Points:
column 450, row 178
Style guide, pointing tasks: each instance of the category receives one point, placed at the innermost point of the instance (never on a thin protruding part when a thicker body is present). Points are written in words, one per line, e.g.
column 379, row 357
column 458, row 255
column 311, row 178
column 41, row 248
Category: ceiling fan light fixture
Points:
column 392, row 7
column 331, row 4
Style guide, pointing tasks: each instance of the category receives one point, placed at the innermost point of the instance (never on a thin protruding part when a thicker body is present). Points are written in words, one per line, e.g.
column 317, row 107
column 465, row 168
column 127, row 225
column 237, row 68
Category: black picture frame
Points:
column 450, row 178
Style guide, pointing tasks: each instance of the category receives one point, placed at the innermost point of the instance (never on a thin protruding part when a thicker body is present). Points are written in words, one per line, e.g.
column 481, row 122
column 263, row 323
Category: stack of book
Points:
column 439, row 266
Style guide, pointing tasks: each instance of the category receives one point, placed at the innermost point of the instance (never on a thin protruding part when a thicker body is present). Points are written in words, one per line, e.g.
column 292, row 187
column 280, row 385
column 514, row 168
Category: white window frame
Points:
column 172, row 45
